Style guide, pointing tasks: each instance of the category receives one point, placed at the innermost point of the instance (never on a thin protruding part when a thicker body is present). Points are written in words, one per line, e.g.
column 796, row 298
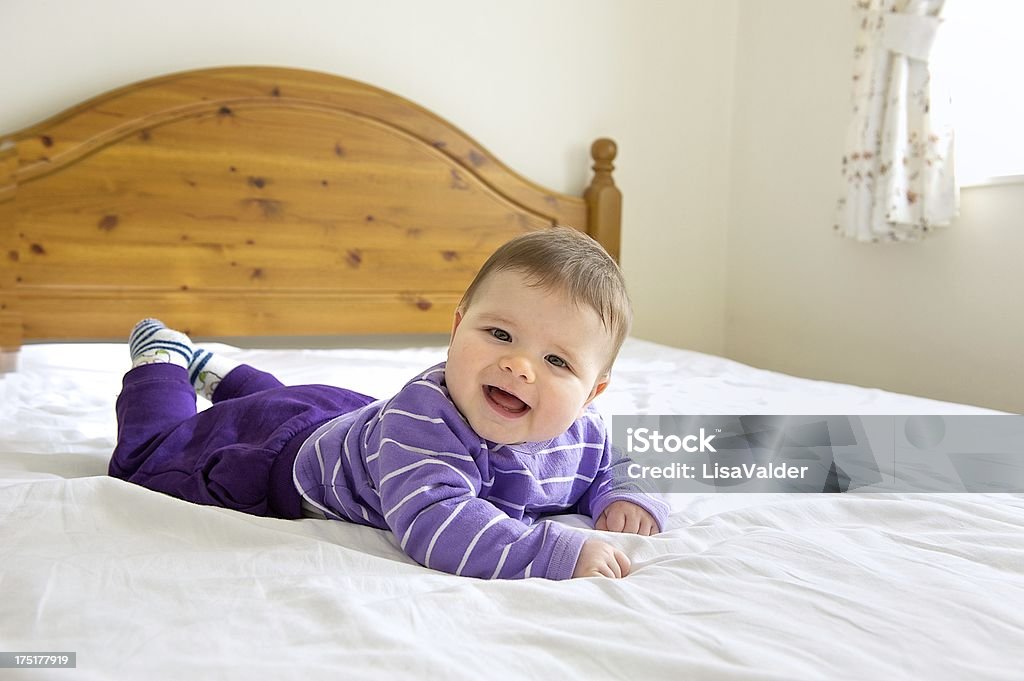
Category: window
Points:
column 978, row 58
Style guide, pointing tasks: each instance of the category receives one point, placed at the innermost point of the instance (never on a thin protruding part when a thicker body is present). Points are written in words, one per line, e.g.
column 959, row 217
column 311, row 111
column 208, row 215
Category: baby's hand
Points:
column 625, row 516
column 598, row 558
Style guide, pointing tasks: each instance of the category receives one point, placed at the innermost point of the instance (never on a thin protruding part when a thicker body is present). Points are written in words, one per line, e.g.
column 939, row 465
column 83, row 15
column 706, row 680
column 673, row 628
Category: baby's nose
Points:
column 519, row 366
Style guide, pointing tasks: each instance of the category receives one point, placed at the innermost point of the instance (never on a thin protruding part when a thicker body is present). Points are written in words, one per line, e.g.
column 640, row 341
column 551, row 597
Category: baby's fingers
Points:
column 602, row 523
column 615, row 521
column 617, row 565
column 622, row 563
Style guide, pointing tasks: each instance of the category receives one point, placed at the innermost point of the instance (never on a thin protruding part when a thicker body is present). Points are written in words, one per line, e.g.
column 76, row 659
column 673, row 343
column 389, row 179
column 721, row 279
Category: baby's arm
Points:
column 464, row 535
column 428, row 482
column 617, row 503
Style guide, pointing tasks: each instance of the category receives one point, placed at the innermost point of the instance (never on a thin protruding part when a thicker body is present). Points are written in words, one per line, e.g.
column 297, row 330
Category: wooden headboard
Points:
column 259, row 202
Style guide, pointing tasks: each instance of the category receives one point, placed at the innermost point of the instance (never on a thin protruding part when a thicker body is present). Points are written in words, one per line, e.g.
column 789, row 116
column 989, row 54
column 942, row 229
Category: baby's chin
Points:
column 498, row 435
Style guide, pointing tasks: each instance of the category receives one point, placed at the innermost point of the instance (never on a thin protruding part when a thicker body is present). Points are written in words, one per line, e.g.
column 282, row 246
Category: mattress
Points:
column 737, row 586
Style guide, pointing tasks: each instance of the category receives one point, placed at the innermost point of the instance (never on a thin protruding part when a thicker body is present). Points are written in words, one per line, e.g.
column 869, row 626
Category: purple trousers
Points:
column 237, row 454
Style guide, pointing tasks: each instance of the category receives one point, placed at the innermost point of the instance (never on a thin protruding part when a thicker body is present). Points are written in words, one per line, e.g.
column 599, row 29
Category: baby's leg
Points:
column 219, row 378
column 213, row 376
column 156, row 394
column 207, row 370
column 241, row 381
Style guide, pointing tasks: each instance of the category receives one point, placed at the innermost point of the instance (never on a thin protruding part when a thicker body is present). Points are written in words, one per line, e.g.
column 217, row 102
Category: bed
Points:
column 323, row 230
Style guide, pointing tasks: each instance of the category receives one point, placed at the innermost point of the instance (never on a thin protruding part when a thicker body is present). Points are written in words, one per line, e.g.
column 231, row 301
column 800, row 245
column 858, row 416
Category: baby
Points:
column 460, row 464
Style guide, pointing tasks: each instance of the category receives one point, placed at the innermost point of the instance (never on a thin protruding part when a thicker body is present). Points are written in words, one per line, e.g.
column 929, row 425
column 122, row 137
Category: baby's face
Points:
column 524, row 362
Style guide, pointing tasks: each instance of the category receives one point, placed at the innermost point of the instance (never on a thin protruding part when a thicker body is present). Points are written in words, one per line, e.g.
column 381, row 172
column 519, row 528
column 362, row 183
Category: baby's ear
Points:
column 456, row 322
column 599, row 388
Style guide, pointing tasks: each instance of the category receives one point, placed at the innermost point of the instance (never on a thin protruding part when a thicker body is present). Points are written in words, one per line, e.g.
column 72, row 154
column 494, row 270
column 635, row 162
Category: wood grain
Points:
column 259, row 201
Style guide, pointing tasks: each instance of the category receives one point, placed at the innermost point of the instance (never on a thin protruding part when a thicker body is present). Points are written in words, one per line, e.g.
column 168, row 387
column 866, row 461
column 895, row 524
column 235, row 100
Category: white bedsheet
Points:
column 141, row 585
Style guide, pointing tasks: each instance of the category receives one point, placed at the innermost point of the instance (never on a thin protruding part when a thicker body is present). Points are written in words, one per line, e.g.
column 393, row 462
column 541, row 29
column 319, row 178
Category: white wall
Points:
column 535, row 81
column 942, row 318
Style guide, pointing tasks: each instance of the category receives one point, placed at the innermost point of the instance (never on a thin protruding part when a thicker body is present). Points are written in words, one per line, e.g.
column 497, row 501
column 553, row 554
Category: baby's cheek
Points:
column 581, row 401
column 570, row 407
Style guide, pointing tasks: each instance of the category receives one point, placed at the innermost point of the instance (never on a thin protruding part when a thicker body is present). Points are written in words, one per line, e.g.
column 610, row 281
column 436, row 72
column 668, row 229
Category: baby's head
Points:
column 536, row 334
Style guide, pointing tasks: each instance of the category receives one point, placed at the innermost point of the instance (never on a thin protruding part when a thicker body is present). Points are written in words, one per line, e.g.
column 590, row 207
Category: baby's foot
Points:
column 206, row 370
column 150, row 342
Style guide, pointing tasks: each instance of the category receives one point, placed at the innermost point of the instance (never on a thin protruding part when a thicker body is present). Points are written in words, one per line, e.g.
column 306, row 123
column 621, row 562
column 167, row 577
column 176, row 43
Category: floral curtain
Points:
column 898, row 162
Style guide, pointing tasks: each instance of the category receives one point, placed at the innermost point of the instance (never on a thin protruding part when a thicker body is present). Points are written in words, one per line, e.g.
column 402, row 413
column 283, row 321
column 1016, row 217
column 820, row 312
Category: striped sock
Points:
column 150, row 342
column 206, row 370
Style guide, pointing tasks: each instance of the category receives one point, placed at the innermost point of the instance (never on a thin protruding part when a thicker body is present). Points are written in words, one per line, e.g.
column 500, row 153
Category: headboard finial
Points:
column 604, row 200
column 603, row 151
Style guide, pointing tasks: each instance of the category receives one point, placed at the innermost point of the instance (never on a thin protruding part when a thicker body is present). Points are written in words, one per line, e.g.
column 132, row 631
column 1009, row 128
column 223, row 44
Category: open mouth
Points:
column 505, row 403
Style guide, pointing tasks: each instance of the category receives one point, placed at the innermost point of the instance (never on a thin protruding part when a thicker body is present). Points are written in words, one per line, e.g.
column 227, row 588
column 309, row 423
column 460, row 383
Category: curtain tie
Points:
column 910, row 35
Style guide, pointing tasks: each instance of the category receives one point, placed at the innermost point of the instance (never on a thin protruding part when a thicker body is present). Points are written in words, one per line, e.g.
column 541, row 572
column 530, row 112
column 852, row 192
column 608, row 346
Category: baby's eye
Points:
column 555, row 360
column 501, row 335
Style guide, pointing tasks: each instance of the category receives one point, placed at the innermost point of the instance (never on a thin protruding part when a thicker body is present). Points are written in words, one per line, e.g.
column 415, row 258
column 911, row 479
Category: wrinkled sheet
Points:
column 738, row 586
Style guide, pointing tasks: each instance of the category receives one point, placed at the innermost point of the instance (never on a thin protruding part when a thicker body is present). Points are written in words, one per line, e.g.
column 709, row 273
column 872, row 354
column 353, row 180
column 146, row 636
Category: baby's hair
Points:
column 564, row 259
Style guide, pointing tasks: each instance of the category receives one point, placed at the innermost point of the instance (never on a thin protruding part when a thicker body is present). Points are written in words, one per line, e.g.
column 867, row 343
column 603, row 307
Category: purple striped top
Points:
column 457, row 502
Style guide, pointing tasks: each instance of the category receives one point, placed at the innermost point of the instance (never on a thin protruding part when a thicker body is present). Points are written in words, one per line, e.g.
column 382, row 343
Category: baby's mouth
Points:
column 505, row 403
